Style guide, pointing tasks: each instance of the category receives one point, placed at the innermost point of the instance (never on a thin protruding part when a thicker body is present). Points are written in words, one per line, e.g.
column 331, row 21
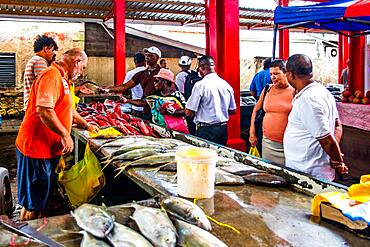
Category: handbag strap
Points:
column 267, row 89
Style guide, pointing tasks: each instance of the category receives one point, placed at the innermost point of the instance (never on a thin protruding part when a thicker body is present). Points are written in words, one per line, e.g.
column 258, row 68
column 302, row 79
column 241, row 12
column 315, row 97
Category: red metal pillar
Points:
column 356, row 71
column 211, row 32
column 228, row 58
column 340, row 56
column 119, row 41
column 284, row 36
column 345, row 50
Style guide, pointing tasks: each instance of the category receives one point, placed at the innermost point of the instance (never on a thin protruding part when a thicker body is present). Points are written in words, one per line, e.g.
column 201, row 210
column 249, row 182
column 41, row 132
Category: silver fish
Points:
column 185, row 210
column 123, row 236
column 152, row 160
column 190, row 235
column 236, row 168
column 226, row 178
column 137, row 145
column 155, row 225
column 124, row 140
column 94, row 220
column 137, row 154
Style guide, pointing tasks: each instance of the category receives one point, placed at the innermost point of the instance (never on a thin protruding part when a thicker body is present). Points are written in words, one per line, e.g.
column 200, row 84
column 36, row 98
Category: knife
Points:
column 26, row 230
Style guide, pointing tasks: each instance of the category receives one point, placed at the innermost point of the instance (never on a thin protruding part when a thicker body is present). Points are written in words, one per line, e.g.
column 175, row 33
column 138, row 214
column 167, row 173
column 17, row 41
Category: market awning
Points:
column 342, row 15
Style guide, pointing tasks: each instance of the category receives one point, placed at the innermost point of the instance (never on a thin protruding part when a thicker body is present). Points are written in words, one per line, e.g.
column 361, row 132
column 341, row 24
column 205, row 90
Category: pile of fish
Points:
column 97, row 113
column 144, row 151
column 177, row 222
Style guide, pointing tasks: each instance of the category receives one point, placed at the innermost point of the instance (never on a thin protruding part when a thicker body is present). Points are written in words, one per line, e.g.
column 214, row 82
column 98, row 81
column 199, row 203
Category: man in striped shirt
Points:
column 44, row 48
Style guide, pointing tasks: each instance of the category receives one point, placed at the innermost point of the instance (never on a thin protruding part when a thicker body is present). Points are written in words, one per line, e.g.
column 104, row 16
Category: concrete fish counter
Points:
column 265, row 216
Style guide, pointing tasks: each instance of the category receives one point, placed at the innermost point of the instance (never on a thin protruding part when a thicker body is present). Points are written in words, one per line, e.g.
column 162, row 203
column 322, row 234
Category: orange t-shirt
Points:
column 51, row 90
column 277, row 105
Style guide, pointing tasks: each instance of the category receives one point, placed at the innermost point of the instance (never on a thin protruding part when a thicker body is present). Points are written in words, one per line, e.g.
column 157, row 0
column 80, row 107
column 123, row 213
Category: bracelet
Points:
column 87, row 126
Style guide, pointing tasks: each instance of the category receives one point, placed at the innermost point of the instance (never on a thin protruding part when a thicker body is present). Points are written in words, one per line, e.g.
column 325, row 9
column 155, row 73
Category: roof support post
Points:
column 223, row 44
column 119, row 41
column 340, row 57
column 284, row 36
column 356, row 72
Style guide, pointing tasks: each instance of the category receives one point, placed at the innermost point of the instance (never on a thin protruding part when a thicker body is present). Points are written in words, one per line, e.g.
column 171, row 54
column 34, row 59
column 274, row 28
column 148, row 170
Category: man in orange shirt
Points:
column 45, row 132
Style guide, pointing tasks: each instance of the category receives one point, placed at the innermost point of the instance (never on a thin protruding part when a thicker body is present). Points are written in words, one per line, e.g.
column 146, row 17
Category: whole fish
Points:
column 123, row 236
column 155, row 225
column 265, row 179
column 118, row 142
column 225, row 178
column 137, row 145
column 185, row 210
column 236, row 168
column 152, row 160
column 94, row 219
column 137, row 154
column 190, row 235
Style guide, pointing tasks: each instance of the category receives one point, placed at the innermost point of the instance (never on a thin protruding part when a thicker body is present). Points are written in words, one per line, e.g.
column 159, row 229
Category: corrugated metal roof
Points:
column 170, row 12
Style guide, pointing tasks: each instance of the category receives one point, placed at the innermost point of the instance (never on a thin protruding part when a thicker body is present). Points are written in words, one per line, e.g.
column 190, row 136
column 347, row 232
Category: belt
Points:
column 200, row 125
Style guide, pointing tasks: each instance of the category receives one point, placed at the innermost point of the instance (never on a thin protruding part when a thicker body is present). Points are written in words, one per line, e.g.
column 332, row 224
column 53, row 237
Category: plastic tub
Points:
column 196, row 168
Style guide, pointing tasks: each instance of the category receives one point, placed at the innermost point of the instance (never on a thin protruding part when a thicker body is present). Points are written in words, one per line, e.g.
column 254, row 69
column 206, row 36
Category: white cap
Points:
column 153, row 50
column 185, row 60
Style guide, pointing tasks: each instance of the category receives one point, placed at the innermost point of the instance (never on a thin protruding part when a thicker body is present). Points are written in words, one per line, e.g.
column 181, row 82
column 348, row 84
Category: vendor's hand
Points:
column 122, row 99
column 340, row 167
column 92, row 128
column 67, row 143
column 253, row 140
column 104, row 89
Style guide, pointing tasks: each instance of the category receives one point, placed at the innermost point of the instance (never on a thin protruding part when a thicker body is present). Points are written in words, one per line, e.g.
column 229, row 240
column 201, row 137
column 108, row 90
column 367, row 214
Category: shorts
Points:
column 35, row 179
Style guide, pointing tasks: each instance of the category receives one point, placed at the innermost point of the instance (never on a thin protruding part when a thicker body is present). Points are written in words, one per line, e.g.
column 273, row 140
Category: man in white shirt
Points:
column 211, row 102
column 184, row 64
column 136, row 91
column 311, row 139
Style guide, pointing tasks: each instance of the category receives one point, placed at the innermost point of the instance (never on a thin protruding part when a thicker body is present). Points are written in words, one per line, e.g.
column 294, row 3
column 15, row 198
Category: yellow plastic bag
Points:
column 83, row 180
column 360, row 192
column 106, row 133
column 254, row 151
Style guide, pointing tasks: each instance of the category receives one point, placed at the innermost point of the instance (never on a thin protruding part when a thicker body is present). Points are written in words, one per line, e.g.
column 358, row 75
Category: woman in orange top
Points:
column 277, row 106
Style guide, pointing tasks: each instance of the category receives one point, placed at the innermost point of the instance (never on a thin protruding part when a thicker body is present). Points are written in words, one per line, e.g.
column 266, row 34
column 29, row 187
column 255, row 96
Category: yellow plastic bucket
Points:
column 196, row 168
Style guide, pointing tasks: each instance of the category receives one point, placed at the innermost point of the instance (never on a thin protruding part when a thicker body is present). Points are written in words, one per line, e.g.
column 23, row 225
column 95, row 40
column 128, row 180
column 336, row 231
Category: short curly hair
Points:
column 42, row 41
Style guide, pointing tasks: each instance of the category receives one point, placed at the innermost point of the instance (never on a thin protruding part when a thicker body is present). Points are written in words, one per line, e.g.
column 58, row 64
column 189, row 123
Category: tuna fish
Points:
column 155, row 225
column 123, row 236
column 190, row 235
column 185, row 210
column 94, row 219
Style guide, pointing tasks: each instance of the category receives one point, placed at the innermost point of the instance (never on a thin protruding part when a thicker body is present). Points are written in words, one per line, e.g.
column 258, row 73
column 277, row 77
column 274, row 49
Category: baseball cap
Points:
column 185, row 60
column 153, row 50
column 165, row 74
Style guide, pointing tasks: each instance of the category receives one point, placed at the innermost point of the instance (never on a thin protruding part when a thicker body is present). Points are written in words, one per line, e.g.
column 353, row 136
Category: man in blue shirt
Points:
column 261, row 79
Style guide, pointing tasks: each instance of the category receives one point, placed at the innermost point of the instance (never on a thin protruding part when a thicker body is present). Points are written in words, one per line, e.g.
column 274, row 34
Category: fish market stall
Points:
column 241, row 214
column 264, row 215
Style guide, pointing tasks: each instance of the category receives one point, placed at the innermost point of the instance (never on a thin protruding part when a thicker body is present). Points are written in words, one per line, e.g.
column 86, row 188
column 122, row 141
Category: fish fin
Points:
column 121, row 169
column 105, row 166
